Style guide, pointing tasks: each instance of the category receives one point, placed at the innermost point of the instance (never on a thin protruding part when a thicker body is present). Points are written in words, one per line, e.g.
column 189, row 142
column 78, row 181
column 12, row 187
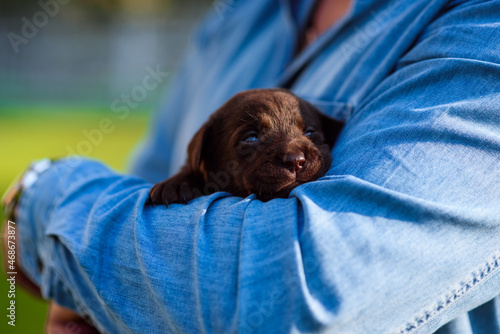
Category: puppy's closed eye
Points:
column 262, row 141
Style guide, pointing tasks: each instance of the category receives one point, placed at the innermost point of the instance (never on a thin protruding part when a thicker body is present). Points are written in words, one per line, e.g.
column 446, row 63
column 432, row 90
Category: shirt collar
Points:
column 297, row 13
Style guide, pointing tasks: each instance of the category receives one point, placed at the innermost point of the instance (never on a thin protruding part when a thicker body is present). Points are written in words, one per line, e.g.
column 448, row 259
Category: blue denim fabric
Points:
column 401, row 236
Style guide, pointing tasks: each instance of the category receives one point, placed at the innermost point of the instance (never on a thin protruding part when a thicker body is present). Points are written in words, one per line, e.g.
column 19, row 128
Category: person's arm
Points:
column 401, row 236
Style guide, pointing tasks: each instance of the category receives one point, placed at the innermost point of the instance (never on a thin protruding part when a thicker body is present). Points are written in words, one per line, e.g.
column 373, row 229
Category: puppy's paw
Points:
column 180, row 188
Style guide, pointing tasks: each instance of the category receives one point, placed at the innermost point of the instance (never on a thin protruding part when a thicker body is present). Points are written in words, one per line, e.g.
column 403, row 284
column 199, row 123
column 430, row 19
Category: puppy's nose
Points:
column 294, row 161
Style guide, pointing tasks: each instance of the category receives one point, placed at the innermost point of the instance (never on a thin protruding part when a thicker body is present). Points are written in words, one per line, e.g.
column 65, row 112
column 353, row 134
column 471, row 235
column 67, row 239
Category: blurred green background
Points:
column 62, row 66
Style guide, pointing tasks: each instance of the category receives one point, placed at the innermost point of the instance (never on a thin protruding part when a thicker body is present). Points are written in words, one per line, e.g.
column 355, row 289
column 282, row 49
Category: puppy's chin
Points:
column 266, row 189
column 271, row 181
column 282, row 190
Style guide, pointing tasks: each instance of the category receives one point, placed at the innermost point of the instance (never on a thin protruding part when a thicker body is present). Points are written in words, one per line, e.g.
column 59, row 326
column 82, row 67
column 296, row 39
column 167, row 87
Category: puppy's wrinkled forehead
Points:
column 276, row 110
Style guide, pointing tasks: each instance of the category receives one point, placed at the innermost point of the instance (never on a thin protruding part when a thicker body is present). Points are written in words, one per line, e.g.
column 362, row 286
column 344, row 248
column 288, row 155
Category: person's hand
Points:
column 63, row 320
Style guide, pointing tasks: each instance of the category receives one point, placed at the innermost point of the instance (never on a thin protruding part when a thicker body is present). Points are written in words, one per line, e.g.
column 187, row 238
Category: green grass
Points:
column 27, row 135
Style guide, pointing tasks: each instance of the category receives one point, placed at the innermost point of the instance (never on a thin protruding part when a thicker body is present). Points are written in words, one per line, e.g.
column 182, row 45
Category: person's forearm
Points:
column 268, row 265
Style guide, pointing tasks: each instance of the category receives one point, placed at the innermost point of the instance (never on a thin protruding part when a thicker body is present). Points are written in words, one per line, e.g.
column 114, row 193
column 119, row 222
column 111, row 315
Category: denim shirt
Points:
column 401, row 236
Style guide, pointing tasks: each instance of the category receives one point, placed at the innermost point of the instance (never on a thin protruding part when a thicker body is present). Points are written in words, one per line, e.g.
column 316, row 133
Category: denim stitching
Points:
column 477, row 277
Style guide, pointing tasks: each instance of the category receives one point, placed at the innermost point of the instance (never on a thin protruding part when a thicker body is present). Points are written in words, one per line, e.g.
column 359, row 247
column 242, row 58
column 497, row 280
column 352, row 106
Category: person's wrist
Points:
column 10, row 204
column 11, row 197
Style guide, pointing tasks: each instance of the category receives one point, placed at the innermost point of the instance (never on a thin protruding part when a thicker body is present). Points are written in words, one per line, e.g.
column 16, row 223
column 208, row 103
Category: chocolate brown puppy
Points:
column 262, row 141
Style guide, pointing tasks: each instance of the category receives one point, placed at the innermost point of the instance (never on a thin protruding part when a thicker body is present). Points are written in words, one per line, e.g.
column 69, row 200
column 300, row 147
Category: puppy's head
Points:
column 263, row 141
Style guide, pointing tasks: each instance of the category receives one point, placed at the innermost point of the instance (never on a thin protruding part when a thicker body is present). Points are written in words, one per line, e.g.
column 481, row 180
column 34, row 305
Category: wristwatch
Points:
column 10, row 198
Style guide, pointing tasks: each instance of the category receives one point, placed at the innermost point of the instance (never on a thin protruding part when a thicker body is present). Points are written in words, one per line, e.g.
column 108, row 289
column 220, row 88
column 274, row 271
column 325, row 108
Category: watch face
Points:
column 34, row 172
column 29, row 178
column 41, row 166
column 23, row 181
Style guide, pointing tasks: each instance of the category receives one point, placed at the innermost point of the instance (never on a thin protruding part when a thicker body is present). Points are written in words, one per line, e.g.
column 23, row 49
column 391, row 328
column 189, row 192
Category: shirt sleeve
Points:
column 401, row 236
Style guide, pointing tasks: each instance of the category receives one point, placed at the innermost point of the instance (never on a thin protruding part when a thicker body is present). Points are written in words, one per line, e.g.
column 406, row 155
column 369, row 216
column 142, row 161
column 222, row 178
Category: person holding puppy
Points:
column 401, row 235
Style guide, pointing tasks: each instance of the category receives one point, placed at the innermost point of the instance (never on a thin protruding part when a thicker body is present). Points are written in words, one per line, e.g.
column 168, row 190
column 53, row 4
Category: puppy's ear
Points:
column 331, row 128
column 197, row 150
